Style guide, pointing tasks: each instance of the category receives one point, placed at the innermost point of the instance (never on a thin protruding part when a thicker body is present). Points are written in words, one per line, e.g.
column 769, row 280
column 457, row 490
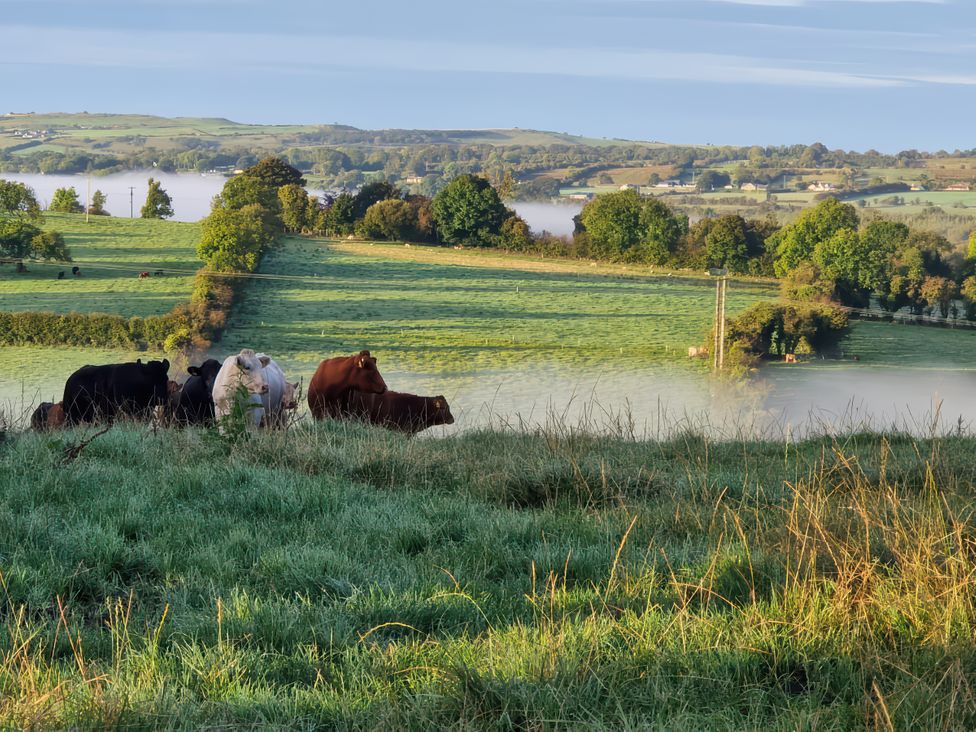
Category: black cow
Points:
column 194, row 402
column 94, row 393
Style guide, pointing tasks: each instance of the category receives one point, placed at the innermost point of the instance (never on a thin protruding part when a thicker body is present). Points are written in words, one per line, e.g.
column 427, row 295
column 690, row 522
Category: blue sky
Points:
column 854, row 74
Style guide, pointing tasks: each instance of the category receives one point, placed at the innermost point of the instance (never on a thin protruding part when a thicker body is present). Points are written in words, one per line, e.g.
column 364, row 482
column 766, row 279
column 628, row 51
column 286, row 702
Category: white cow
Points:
column 280, row 395
column 245, row 369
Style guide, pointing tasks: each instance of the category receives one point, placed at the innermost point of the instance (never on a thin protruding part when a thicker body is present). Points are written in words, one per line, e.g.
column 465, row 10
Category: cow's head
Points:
column 289, row 398
column 442, row 411
column 250, row 371
column 207, row 373
column 365, row 375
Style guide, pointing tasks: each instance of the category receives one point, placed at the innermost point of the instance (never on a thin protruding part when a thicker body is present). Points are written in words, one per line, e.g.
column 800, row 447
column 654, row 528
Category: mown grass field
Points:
column 442, row 308
column 341, row 577
column 110, row 252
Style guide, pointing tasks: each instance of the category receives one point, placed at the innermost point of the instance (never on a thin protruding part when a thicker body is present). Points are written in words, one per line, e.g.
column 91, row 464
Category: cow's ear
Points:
column 241, row 364
column 364, row 354
column 296, row 385
column 193, row 370
column 265, row 360
column 165, row 365
column 139, row 360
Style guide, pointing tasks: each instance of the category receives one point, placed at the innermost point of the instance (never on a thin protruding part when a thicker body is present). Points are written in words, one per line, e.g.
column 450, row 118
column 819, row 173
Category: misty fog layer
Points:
column 192, row 193
column 783, row 402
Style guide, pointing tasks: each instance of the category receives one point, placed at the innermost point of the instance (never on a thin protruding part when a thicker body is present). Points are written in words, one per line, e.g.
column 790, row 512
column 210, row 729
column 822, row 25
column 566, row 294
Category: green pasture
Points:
column 440, row 309
column 336, row 577
column 110, row 252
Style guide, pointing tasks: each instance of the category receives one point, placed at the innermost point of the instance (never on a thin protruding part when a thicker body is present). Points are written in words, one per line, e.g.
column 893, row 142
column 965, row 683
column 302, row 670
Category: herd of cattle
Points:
column 346, row 387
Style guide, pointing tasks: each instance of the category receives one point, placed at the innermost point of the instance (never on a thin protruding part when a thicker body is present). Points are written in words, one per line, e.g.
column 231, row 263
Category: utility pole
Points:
column 88, row 199
column 718, row 345
column 131, row 189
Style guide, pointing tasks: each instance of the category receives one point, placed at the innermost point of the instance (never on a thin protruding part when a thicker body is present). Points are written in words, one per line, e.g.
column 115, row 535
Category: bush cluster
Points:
column 88, row 329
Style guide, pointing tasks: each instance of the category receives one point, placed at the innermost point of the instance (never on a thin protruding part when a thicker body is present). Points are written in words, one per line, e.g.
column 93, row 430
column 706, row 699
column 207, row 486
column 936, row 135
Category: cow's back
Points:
column 86, row 394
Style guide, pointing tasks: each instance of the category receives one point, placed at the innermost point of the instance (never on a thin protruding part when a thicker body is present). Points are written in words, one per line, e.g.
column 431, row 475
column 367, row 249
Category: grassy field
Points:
column 441, row 308
column 110, row 252
column 340, row 577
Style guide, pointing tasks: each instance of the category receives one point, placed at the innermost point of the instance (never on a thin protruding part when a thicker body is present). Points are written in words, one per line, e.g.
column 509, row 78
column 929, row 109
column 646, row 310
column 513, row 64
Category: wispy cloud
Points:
column 36, row 45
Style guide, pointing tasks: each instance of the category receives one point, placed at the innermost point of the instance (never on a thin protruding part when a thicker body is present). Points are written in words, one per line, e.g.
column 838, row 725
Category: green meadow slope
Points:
column 340, row 577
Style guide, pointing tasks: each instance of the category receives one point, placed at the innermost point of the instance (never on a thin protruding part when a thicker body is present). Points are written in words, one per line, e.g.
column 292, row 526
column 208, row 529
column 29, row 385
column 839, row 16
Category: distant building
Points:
column 414, row 180
column 670, row 183
column 957, row 187
column 580, row 196
column 630, row 187
column 821, row 186
column 753, row 187
column 918, row 187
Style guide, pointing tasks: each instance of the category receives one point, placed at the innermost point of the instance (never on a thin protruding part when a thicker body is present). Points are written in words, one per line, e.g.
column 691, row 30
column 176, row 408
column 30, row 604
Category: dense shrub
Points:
column 776, row 329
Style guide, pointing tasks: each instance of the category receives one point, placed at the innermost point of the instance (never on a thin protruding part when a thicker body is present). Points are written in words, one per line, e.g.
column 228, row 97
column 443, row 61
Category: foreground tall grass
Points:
column 343, row 576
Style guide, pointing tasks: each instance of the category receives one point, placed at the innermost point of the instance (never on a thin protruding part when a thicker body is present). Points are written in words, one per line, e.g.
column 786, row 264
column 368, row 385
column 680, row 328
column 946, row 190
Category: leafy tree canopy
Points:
column 795, row 243
column 158, row 204
column 65, row 200
column 276, row 173
column 469, row 211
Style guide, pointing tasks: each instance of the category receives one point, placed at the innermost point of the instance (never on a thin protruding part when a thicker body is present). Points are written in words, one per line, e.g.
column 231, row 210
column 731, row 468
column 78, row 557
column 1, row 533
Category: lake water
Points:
column 192, row 193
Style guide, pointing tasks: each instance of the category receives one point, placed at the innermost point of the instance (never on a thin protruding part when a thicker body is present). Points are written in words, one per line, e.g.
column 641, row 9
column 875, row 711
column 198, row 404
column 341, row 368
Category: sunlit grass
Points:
column 340, row 576
column 111, row 252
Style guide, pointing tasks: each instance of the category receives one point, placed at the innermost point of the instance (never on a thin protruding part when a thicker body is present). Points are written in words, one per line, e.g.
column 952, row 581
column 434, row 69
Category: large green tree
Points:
column 276, row 173
column 20, row 220
column 97, row 207
column 373, row 193
column 795, row 243
column 341, row 215
column 623, row 226
column 393, row 219
column 158, row 204
column 613, row 223
column 295, row 206
column 469, row 211
column 65, row 200
column 232, row 240
column 727, row 244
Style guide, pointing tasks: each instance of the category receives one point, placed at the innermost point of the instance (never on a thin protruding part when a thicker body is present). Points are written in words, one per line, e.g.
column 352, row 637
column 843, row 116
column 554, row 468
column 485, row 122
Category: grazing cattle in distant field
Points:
column 194, row 403
column 76, row 271
column 337, row 378
column 143, row 275
column 402, row 412
column 158, row 273
column 48, row 416
column 61, row 275
column 280, row 396
column 95, row 393
column 246, row 370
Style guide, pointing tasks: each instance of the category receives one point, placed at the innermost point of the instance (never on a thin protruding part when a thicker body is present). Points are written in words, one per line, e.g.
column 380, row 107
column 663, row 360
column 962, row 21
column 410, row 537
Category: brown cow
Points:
column 402, row 412
column 48, row 416
column 337, row 378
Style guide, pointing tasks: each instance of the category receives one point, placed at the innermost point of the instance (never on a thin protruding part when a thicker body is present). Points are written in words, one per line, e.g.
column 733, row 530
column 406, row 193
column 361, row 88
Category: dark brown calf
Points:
column 402, row 412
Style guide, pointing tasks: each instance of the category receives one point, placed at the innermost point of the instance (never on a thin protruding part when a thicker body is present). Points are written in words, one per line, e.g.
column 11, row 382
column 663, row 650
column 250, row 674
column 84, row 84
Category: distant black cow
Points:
column 61, row 275
column 76, row 271
column 194, row 403
column 158, row 273
column 94, row 393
